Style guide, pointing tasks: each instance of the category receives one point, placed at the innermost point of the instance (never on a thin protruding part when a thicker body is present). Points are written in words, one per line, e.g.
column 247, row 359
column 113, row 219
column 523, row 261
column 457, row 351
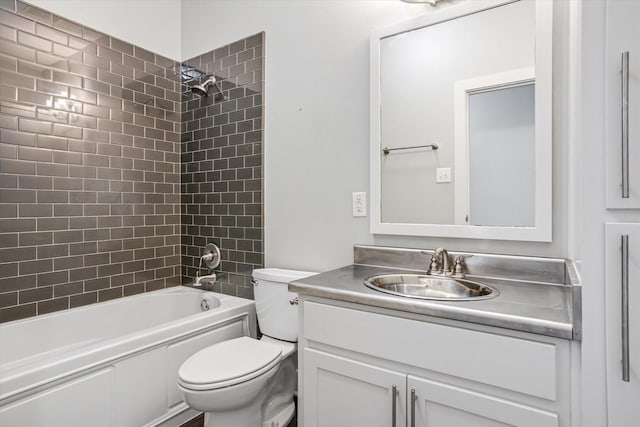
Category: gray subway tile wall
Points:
column 222, row 162
column 90, row 143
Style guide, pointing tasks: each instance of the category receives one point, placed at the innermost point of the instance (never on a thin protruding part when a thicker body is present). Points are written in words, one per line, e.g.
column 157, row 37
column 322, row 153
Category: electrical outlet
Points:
column 443, row 175
column 359, row 204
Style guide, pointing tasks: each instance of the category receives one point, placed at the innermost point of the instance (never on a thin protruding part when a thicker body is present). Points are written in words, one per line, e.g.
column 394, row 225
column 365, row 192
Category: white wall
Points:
column 151, row 24
column 317, row 120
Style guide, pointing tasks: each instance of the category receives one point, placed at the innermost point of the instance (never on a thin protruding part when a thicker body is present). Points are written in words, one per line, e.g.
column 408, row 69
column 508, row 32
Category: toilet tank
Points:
column 277, row 316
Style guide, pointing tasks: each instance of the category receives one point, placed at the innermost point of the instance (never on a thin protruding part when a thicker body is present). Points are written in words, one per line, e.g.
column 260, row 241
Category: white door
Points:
column 502, row 148
column 340, row 392
column 623, row 157
column 623, row 345
column 434, row 404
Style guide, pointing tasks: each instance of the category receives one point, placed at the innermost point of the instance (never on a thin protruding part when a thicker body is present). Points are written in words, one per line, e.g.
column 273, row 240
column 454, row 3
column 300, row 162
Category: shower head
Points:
column 203, row 89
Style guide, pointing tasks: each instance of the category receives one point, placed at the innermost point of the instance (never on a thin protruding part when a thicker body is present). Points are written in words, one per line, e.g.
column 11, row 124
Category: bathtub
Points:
column 115, row 363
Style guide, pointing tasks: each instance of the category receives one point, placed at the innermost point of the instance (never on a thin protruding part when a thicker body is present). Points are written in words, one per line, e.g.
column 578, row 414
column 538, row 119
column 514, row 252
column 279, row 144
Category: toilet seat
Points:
column 228, row 363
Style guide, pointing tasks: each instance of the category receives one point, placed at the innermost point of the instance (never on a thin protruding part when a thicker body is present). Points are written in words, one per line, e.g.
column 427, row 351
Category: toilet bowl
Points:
column 246, row 382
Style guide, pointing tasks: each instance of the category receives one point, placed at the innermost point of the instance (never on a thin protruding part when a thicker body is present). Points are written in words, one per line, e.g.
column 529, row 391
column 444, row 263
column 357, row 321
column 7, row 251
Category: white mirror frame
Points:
column 542, row 231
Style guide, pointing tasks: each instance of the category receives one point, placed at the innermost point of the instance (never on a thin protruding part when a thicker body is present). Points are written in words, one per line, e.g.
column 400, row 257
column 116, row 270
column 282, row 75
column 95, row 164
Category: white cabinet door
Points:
column 623, row 394
column 440, row 405
column 622, row 35
column 340, row 392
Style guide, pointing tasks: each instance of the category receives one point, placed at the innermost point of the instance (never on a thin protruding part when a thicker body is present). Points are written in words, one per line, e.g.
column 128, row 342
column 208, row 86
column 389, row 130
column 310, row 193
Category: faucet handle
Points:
column 458, row 268
column 433, row 264
column 433, row 267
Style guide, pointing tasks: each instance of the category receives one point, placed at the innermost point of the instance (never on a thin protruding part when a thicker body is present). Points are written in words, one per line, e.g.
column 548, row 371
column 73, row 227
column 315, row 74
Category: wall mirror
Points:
column 461, row 123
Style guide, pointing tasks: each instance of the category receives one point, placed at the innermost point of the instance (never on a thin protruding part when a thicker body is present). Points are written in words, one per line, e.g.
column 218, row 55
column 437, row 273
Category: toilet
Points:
column 245, row 382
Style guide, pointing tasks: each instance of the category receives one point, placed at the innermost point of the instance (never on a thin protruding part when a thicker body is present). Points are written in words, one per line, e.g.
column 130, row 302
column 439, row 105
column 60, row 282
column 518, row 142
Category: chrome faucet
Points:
column 441, row 264
column 207, row 279
column 442, row 256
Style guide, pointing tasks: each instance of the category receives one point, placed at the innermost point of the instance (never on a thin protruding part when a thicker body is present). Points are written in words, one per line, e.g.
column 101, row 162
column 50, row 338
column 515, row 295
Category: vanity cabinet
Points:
column 360, row 365
column 622, row 300
column 345, row 392
column 622, row 89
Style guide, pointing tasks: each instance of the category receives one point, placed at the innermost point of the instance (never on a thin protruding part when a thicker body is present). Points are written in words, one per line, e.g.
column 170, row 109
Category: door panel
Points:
column 623, row 396
column 622, row 35
column 442, row 405
column 343, row 392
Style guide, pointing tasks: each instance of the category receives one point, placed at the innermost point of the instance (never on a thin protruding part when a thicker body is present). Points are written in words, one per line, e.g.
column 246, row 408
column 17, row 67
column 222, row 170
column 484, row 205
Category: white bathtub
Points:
column 112, row 364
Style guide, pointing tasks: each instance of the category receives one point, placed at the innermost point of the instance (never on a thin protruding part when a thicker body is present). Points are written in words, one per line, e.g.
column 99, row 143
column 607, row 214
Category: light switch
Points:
column 443, row 175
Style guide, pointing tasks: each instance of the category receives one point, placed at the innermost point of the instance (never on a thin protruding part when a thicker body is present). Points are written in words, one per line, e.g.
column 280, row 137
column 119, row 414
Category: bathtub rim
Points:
column 79, row 309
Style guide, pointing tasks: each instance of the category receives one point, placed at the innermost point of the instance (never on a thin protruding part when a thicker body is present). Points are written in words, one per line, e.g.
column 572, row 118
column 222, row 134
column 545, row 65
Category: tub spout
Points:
column 208, row 279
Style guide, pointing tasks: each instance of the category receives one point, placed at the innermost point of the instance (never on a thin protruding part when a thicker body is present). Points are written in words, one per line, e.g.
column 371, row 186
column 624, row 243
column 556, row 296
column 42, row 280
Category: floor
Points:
column 195, row 422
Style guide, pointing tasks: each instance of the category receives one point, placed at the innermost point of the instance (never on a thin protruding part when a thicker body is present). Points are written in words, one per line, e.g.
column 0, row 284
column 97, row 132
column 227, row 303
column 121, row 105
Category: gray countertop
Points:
column 544, row 309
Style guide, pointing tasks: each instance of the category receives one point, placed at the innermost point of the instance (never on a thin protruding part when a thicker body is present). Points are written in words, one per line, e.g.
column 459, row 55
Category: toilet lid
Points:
column 228, row 363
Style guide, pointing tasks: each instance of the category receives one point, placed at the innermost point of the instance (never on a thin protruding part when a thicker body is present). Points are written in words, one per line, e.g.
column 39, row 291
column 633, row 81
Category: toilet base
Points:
column 282, row 418
column 250, row 415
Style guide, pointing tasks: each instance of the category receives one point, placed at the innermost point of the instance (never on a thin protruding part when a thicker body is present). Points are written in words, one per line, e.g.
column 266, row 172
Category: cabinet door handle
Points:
column 394, row 391
column 413, row 407
column 625, row 125
column 625, row 307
